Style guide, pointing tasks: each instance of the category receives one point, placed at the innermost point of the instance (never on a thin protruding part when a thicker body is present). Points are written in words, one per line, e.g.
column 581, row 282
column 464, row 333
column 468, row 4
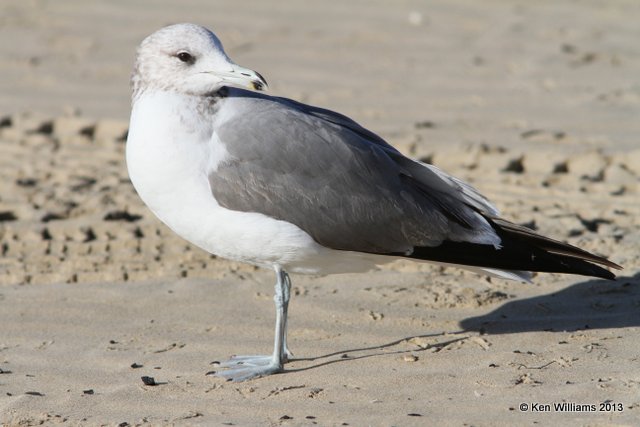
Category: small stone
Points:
column 150, row 381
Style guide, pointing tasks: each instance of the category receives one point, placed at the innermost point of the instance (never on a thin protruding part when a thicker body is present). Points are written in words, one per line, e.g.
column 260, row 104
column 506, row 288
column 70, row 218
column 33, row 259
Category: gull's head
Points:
column 188, row 58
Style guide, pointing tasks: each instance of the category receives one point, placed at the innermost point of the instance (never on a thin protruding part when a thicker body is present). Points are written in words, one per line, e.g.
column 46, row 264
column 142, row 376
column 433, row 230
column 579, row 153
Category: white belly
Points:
column 169, row 160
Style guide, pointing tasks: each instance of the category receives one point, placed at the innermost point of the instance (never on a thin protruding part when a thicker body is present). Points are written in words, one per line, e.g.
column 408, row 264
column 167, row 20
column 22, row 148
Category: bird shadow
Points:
column 592, row 304
column 380, row 350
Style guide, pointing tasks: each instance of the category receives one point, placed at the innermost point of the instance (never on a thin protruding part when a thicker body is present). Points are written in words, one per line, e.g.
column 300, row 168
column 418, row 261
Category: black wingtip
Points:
column 510, row 257
column 585, row 268
column 521, row 249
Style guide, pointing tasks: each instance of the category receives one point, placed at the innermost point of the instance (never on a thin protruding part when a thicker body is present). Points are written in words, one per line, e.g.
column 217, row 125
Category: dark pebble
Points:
column 148, row 380
column 121, row 216
column 7, row 216
column 27, row 182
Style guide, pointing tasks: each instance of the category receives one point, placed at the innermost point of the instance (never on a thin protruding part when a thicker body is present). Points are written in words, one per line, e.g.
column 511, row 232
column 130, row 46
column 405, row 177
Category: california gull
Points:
column 283, row 185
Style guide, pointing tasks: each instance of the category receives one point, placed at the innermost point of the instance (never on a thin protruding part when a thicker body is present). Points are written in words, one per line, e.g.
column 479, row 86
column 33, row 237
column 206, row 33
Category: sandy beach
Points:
column 535, row 104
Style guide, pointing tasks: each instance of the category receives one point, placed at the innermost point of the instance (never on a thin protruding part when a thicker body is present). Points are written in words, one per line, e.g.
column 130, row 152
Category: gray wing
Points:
column 339, row 182
column 427, row 174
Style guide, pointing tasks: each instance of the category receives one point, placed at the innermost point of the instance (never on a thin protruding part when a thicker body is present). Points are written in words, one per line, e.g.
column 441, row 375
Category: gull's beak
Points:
column 242, row 77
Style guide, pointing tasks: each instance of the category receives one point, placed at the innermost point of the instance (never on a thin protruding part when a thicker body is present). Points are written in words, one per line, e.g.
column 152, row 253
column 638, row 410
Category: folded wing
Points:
column 350, row 190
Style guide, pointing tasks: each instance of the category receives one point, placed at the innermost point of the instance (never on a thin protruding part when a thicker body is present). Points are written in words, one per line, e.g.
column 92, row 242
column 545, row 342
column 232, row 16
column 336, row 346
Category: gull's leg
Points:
column 287, row 294
column 241, row 368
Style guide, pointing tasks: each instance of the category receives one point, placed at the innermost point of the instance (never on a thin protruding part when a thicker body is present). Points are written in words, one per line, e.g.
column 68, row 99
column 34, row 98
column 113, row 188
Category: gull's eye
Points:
column 186, row 57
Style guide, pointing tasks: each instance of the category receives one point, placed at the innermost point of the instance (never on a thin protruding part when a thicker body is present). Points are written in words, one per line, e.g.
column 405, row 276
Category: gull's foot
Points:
column 242, row 368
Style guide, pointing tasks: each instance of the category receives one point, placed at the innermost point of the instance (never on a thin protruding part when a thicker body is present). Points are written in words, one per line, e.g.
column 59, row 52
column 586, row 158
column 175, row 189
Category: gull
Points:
column 295, row 188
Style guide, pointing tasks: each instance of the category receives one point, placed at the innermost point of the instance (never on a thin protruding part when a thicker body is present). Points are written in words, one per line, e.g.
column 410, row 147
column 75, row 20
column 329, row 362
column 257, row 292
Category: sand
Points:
column 536, row 104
